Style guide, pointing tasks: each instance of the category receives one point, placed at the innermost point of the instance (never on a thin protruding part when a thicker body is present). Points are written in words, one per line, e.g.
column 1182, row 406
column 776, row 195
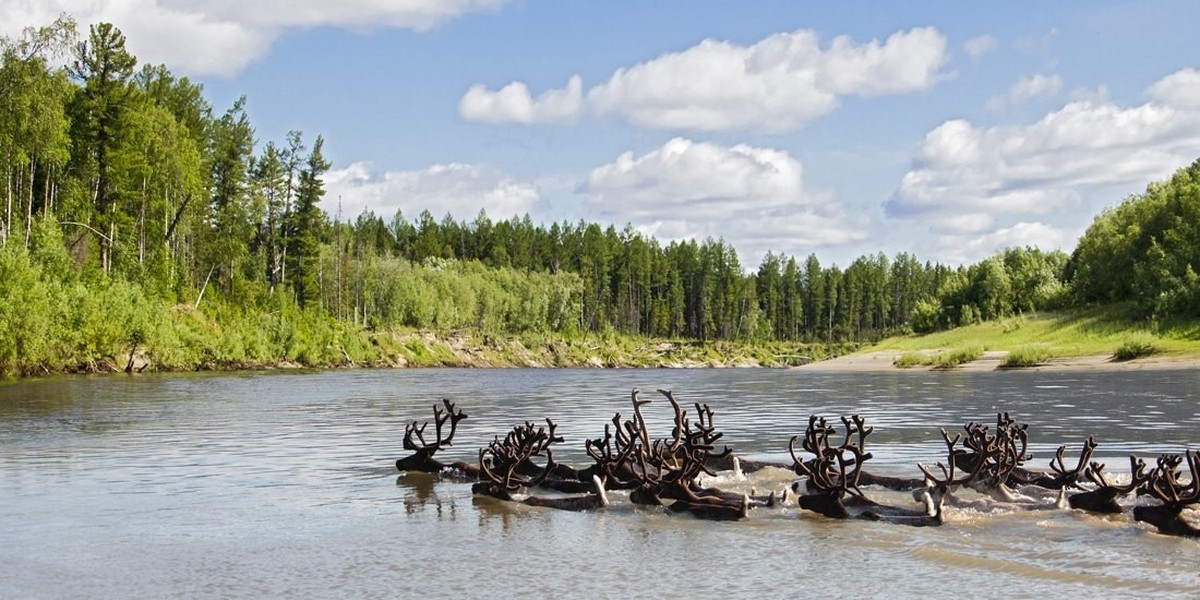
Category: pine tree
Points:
column 308, row 227
column 104, row 67
column 230, row 215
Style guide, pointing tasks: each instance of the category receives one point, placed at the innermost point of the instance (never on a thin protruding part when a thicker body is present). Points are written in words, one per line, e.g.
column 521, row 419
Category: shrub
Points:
column 956, row 357
column 912, row 359
column 1136, row 345
column 1027, row 356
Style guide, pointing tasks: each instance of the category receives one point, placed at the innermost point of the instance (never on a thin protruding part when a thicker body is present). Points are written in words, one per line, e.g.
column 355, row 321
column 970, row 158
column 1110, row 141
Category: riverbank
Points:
column 885, row 360
column 190, row 340
column 1101, row 338
column 405, row 348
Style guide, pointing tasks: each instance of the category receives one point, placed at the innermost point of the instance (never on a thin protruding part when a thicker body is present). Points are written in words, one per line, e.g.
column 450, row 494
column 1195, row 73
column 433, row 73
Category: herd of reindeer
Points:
column 674, row 471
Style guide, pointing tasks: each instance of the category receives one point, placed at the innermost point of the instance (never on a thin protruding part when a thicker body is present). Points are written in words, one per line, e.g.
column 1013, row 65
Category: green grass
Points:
column 944, row 359
column 913, row 358
column 1097, row 331
column 1137, row 344
column 1027, row 356
column 957, row 356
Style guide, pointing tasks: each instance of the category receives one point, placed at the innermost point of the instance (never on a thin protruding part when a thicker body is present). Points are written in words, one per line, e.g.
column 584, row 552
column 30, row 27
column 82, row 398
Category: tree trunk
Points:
column 142, row 226
column 7, row 205
column 29, row 204
column 112, row 239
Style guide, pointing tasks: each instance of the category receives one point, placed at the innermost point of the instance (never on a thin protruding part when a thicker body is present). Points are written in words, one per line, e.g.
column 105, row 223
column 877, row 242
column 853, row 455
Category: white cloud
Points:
column 1026, row 89
column 966, row 248
column 222, row 37
column 514, row 104
column 964, row 177
column 976, row 47
column 459, row 189
column 1181, row 89
column 418, row 15
column 752, row 197
column 776, row 85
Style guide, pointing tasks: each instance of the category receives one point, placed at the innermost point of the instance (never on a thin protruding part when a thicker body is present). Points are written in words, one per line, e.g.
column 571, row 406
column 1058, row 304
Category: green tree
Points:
column 158, row 166
column 104, row 67
column 231, row 213
column 269, row 192
column 34, row 128
column 308, row 227
column 1145, row 250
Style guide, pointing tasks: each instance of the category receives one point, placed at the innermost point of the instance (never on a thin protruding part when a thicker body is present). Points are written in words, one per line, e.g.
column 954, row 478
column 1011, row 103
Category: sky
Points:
column 946, row 130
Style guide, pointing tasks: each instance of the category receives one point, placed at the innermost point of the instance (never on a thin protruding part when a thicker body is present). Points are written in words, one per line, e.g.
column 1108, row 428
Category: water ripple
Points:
column 282, row 484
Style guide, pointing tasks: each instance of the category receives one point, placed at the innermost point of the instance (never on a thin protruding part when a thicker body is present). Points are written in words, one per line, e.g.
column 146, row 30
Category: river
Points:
column 283, row 485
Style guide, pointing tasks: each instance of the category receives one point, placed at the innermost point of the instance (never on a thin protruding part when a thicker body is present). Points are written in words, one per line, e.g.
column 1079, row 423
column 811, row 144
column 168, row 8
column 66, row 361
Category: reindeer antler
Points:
column 1137, row 476
column 515, row 452
column 412, row 430
column 1071, row 476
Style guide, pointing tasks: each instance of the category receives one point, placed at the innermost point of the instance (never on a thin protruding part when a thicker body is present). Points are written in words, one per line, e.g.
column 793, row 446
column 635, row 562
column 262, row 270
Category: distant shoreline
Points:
column 882, row 361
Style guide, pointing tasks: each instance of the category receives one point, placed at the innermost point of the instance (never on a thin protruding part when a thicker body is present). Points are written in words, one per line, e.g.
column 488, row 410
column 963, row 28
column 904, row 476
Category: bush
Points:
column 956, row 357
column 946, row 359
column 1027, row 356
column 1136, row 345
column 25, row 319
column 912, row 359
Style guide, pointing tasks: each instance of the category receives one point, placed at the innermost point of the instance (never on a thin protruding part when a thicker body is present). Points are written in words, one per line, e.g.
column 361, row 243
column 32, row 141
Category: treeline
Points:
column 128, row 197
column 634, row 284
column 146, row 180
column 1145, row 250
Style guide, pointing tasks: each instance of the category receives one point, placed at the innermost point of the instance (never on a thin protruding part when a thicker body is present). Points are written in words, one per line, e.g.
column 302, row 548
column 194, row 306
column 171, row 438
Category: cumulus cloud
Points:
column 966, row 178
column 1178, row 89
column 776, row 85
column 752, row 197
column 963, row 248
column 222, row 37
column 514, row 103
column 1026, row 89
column 459, row 189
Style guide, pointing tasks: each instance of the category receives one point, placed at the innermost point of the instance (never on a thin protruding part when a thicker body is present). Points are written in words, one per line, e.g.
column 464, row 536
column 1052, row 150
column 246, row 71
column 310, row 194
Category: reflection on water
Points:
column 282, row 484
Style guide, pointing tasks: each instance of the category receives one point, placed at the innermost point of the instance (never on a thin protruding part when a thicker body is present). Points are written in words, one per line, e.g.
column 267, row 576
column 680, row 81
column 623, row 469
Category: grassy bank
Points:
column 1036, row 339
column 121, row 329
column 470, row 349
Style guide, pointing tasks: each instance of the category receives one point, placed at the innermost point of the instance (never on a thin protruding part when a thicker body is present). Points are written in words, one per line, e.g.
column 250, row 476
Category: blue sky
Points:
column 943, row 129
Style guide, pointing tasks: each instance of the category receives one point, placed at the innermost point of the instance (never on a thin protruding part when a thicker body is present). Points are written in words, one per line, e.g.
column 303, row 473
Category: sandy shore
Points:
column 866, row 362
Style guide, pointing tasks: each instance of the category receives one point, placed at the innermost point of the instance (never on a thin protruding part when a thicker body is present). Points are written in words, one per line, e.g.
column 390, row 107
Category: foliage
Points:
column 1027, row 356
column 913, row 358
column 949, row 359
column 1145, row 250
column 1136, row 345
column 944, row 359
column 137, row 221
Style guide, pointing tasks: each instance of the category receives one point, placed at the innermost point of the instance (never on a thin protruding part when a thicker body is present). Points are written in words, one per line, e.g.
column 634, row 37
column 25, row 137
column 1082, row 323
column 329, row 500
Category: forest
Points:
column 138, row 219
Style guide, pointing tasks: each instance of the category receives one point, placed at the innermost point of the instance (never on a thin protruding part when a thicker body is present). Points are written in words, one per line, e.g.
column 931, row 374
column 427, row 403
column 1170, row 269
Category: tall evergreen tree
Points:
column 269, row 179
column 230, row 218
column 104, row 67
column 308, row 227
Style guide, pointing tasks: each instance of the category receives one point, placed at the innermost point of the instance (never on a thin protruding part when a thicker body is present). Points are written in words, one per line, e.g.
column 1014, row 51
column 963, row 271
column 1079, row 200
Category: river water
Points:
column 282, row 485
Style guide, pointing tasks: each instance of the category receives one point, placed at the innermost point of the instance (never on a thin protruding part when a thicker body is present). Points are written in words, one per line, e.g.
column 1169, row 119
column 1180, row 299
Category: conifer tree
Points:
column 307, row 227
column 104, row 68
